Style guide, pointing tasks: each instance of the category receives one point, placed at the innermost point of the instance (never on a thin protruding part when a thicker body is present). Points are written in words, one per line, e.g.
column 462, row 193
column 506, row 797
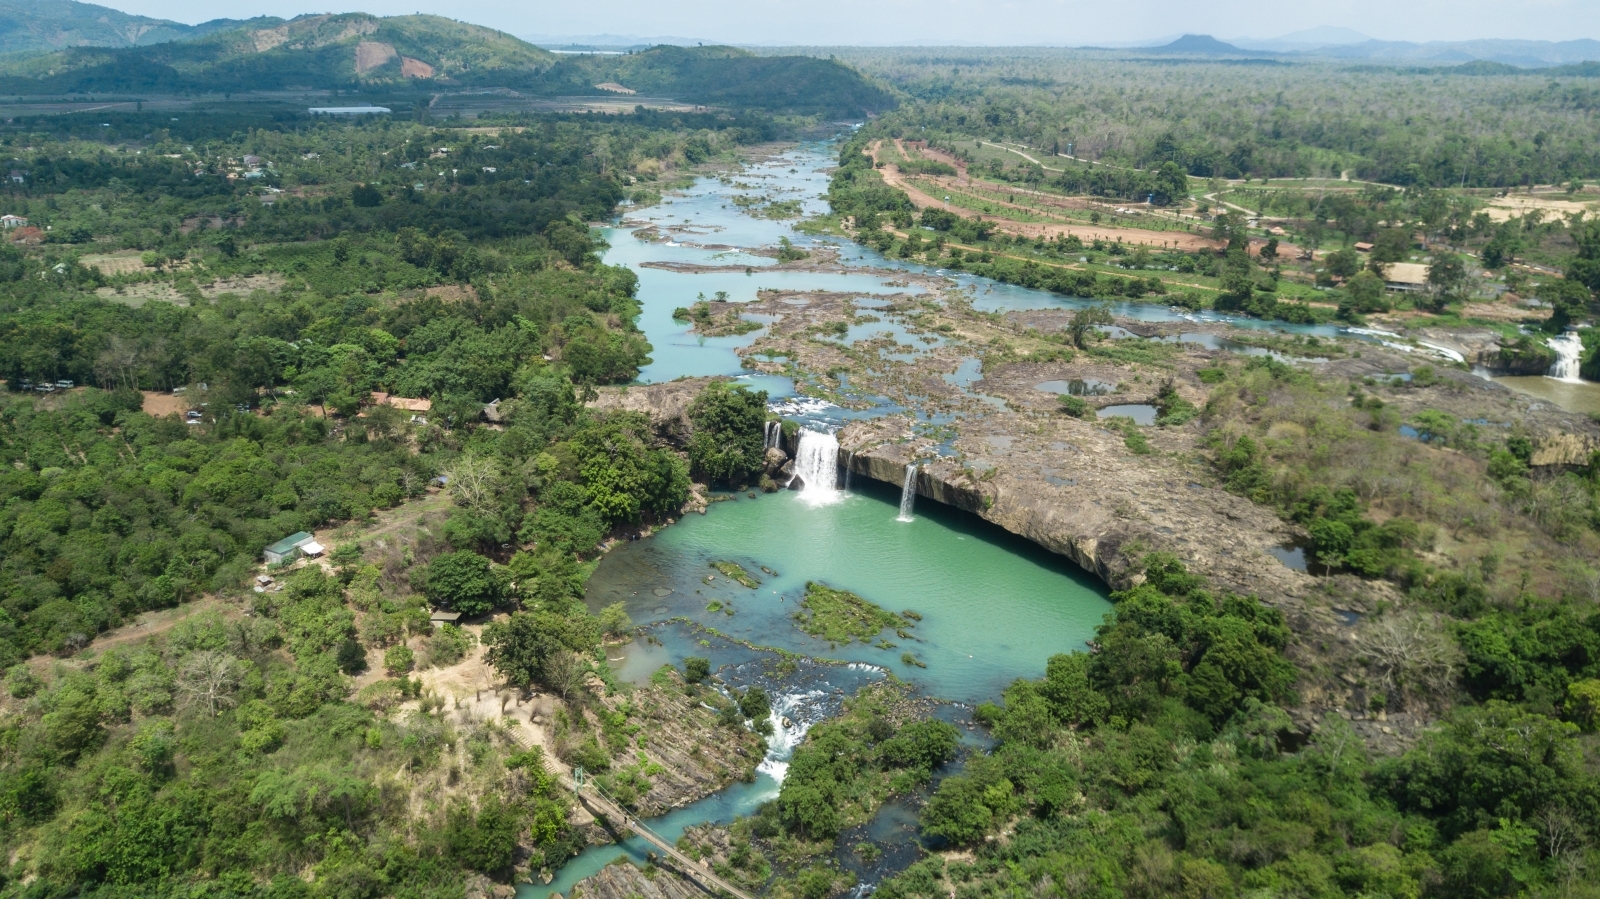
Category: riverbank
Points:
column 962, row 378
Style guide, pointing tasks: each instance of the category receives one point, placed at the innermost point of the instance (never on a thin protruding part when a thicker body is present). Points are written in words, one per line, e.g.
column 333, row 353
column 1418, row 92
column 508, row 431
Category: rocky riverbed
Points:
column 926, row 376
column 961, row 395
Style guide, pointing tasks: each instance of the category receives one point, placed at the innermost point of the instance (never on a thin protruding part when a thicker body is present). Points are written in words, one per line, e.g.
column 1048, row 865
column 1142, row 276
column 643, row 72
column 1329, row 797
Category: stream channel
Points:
column 994, row 607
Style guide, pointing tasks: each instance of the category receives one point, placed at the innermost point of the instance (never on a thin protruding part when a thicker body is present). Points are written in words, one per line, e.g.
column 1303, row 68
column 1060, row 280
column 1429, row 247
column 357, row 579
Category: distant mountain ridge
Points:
column 609, row 41
column 1304, row 39
column 1525, row 54
column 1522, row 54
column 1204, row 45
column 32, row 26
column 346, row 50
column 724, row 76
column 357, row 51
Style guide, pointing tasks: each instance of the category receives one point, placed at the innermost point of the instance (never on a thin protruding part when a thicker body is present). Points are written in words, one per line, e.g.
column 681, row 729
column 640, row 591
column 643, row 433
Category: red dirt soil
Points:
column 1186, row 241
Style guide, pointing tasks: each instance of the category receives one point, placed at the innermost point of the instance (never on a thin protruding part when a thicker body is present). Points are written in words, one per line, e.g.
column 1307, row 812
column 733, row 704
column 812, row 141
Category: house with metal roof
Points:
column 288, row 548
column 1405, row 277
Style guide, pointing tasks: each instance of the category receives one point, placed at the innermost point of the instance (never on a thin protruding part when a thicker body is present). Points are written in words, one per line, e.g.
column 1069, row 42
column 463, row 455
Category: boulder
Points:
column 775, row 460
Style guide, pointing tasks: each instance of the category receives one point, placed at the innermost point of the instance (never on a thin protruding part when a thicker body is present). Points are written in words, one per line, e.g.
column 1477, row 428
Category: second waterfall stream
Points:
column 908, row 494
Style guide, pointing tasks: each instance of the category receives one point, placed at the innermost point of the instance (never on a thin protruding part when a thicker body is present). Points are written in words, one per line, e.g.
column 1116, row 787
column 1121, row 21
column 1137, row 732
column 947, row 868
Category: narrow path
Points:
column 1187, row 241
column 1250, row 212
column 600, row 805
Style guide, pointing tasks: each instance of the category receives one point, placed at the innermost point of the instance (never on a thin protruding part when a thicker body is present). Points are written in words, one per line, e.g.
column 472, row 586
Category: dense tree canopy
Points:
column 231, row 371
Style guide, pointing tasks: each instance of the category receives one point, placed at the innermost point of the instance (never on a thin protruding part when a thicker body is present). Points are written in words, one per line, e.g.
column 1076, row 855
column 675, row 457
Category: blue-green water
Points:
column 720, row 808
column 994, row 606
column 711, row 219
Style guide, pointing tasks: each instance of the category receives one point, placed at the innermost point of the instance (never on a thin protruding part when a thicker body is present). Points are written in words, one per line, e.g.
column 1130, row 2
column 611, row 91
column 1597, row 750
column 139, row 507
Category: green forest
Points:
column 224, row 328
column 1232, row 119
column 231, row 752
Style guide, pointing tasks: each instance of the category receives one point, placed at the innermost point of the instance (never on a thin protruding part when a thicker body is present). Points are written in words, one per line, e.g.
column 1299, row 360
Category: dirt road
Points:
column 1188, row 242
column 1173, row 240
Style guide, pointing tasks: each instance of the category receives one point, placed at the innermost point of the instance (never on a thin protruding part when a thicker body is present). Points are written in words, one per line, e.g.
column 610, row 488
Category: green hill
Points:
column 428, row 53
column 724, row 76
column 31, row 26
column 347, row 50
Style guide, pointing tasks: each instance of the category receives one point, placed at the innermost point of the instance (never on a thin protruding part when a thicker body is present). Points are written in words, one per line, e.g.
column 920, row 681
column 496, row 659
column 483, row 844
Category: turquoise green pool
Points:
column 994, row 607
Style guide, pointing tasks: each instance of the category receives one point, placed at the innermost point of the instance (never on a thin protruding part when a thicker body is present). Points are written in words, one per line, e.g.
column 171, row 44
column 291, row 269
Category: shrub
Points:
column 1074, row 406
column 696, row 669
column 398, row 660
column 22, row 682
column 614, row 620
column 448, row 645
column 485, row 842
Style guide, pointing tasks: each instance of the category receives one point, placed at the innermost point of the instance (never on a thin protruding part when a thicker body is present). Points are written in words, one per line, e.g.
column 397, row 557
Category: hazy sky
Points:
column 1055, row 22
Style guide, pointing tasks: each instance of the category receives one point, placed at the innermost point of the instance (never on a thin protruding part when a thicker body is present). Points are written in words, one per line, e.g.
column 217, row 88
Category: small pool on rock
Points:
column 1290, row 555
column 1077, row 387
column 1141, row 413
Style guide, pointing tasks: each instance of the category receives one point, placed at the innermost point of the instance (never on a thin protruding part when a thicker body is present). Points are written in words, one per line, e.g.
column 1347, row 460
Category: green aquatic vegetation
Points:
column 736, row 571
column 840, row 616
column 1136, row 350
column 1305, row 346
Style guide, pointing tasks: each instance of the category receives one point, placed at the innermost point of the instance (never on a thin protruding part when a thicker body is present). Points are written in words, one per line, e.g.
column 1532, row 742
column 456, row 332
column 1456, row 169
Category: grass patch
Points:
column 840, row 616
column 1132, row 437
column 1136, row 350
column 736, row 571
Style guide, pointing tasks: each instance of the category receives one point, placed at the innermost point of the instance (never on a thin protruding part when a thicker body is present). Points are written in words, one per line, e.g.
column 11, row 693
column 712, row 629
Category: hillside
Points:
column 352, row 49
column 724, row 76
column 31, row 26
column 428, row 53
column 1202, row 45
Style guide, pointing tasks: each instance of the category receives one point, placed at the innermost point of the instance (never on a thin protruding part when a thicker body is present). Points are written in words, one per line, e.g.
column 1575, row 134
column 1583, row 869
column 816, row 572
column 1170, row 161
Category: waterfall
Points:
column 774, row 431
column 816, row 464
column 908, row 494
column 791, row 707
column 1569, row 356
column 849, row 460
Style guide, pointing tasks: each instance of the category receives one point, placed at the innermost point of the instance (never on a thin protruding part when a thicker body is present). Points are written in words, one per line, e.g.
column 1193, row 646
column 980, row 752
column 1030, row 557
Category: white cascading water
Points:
column 780, row 746
column 816, row 464
column 774, row 431
column 849, row 459
column 908, row 494
column 1569, row 357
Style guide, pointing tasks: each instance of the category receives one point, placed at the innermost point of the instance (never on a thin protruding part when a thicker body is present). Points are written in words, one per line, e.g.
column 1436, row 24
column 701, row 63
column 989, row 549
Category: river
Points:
column 993, row 607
